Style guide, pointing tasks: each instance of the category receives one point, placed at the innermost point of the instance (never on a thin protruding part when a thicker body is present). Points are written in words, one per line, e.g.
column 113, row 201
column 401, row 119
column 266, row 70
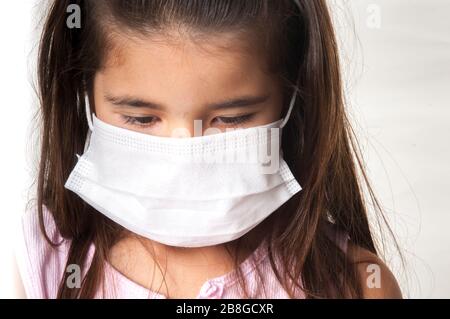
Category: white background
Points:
column 396, row 57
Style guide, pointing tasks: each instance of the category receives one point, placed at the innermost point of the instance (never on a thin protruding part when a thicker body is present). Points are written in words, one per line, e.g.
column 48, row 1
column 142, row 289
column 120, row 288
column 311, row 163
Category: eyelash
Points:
column 235, row 120
column 146, row 121
column 138, row 120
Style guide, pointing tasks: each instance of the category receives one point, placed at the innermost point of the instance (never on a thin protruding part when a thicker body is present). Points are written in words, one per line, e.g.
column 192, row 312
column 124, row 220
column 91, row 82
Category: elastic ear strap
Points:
column 291, row 107
column 88, row 113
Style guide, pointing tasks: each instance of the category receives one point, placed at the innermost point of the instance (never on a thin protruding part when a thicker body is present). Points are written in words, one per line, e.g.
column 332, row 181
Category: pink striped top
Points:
column 41, row 268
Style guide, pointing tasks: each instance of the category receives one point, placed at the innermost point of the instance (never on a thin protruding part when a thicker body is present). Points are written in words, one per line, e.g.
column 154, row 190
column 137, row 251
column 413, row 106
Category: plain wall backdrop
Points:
column 396, row 62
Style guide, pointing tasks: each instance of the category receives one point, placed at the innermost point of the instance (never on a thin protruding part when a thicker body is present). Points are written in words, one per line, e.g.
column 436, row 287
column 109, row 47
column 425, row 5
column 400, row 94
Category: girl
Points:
column 135, row 216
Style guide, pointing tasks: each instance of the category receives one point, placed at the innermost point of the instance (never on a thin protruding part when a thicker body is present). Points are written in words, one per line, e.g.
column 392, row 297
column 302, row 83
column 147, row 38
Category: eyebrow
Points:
column 244, row 101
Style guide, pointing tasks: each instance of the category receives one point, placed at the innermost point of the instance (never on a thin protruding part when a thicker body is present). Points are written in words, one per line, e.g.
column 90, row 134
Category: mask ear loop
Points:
column 88, row 113
column 291, row 107
column 90, row 124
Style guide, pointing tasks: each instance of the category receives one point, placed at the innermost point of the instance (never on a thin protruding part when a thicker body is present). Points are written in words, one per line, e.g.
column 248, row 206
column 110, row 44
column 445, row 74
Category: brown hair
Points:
column 318, row 143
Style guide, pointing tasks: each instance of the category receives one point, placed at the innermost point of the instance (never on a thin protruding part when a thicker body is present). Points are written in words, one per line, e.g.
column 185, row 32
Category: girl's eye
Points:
column 233, row 120
column 144, row 121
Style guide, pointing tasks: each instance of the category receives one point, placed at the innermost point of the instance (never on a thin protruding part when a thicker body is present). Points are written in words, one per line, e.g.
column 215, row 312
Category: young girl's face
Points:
column 160, row 85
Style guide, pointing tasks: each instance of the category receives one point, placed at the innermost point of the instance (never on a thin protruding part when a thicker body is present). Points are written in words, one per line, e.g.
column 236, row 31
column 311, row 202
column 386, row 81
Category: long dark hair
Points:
column 319, row 145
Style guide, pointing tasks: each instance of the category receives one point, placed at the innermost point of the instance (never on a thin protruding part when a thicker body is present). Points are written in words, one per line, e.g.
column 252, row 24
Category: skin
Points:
column 168, row 82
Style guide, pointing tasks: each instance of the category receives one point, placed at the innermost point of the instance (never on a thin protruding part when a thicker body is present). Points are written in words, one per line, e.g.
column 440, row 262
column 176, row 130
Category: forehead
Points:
column 186, row 64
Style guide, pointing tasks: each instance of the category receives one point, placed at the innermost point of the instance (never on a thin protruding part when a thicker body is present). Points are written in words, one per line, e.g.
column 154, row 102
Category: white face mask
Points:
column 184, row 192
